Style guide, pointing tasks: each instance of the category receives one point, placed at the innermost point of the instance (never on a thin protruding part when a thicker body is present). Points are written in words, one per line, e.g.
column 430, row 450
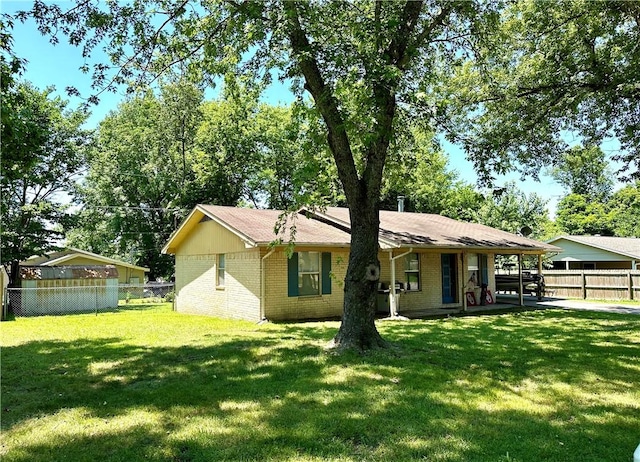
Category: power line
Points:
column 134, row 207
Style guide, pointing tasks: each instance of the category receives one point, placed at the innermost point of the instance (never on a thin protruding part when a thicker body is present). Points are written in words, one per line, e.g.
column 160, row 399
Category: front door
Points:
column 449, row 271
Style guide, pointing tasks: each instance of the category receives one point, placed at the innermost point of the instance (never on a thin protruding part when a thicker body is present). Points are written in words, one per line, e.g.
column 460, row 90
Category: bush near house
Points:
column 153, row 384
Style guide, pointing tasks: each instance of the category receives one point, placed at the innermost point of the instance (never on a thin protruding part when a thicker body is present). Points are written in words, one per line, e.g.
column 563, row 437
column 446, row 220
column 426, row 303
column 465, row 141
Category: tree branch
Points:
column 326, row 103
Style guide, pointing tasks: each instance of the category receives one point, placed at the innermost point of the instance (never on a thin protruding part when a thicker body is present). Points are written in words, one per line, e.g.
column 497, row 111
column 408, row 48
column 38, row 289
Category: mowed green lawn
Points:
column 151, row 384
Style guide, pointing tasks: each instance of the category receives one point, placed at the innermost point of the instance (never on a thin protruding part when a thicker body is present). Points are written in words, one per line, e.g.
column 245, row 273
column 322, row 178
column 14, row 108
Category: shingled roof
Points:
column 331, row 227
column 423, row 230
column 256, row 227
column 627, row 246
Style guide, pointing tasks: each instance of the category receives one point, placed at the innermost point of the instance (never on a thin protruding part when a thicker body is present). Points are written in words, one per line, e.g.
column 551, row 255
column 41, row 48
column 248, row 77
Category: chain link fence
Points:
column 48, row 301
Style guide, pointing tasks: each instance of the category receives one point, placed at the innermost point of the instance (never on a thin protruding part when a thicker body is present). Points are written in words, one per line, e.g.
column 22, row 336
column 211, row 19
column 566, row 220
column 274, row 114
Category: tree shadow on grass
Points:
column 492, row 389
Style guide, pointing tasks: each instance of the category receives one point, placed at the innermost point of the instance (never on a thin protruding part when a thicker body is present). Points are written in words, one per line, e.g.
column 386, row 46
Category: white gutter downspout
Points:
column 392, row 289
column 262, row 285
column 520, row 283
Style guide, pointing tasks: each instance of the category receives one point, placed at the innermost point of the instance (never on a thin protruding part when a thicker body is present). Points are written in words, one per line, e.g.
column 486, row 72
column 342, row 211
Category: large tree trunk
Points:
column 358, row 329
column 362, row 188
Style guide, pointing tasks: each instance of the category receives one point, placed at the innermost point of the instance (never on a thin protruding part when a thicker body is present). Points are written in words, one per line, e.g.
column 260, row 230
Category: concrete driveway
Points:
column 547, row 302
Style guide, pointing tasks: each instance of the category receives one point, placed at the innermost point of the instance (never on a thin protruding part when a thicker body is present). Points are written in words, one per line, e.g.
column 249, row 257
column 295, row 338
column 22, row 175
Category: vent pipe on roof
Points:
column 400, row 203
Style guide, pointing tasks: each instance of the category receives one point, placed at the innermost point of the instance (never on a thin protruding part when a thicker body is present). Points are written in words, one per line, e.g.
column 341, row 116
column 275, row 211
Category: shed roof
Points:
column 625, row 246
column 423, row 230
column 68, row 272
column 60, row 257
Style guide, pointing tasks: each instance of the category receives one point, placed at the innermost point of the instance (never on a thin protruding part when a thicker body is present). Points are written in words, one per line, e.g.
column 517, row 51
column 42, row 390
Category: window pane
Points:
column 473, row 262
column 308, row 284
column 411, row 262
column 413, row 281
column 221, row 270
column 308, row 273
column 308, row 262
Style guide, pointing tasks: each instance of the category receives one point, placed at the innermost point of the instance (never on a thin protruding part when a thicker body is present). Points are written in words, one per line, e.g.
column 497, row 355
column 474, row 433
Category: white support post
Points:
column 392, row 287
column 520, row 283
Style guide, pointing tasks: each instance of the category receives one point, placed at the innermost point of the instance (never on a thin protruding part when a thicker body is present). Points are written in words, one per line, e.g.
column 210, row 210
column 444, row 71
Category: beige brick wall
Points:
column 430, row 293
column 197, row 292
column 196, row 276
column 280, row 306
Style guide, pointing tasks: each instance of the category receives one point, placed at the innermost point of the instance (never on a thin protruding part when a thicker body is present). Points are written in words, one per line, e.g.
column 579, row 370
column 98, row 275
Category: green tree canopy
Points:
column 585, row 171
column 625, row 211
column 512, row 210
column 578, row 215
column 140, row 179
column 43, row 146
column 549, row 70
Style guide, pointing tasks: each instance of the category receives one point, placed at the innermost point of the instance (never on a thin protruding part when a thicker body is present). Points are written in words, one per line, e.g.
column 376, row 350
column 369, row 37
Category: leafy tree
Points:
column 578, row 215
column 14, row 127
column 550, row 69
column 512, row 210
column 625, row 211
column 262, row 151
column 585, row 171
column 368, row 52
column 139, row 183
column 361, row 61
column 294, row 165
column 419, row 171
column 42, row 155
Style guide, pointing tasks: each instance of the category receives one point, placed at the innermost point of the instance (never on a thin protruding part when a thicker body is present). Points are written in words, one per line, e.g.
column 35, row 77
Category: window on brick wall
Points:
column 221, row 270
column 412, row 271
column 309, row 274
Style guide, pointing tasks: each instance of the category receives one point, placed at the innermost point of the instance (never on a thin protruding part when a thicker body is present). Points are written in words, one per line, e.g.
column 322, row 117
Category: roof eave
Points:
column 85, row 253
column 606, row 249
column 303, row 244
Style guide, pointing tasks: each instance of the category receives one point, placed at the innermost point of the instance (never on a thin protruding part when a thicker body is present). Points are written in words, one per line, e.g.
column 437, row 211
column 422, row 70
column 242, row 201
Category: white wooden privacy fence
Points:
column 593, row 284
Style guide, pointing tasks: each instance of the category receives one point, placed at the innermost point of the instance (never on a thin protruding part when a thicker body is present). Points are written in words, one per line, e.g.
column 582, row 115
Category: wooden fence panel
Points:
column 593, row 284
column 635, row 285
column 563, row 284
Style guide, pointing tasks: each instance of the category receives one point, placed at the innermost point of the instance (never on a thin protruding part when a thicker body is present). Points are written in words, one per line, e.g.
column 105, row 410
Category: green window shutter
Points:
column 326, row 273
column 292, row 275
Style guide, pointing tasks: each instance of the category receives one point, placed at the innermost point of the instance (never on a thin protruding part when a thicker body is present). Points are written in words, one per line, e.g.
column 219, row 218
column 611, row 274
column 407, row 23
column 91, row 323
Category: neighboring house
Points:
column 596, row 252
column 227, row 265
column 65, row 289
column 127, row 273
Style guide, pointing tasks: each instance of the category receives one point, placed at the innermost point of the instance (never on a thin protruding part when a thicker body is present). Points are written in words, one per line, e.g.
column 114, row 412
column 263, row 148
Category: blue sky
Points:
column 58, row 66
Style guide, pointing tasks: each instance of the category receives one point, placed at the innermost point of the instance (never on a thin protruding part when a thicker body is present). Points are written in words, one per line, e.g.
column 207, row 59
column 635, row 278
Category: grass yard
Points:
column 151, row 384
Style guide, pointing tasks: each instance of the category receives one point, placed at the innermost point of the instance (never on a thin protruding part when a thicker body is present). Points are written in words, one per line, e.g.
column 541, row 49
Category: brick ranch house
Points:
column 228, row 267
